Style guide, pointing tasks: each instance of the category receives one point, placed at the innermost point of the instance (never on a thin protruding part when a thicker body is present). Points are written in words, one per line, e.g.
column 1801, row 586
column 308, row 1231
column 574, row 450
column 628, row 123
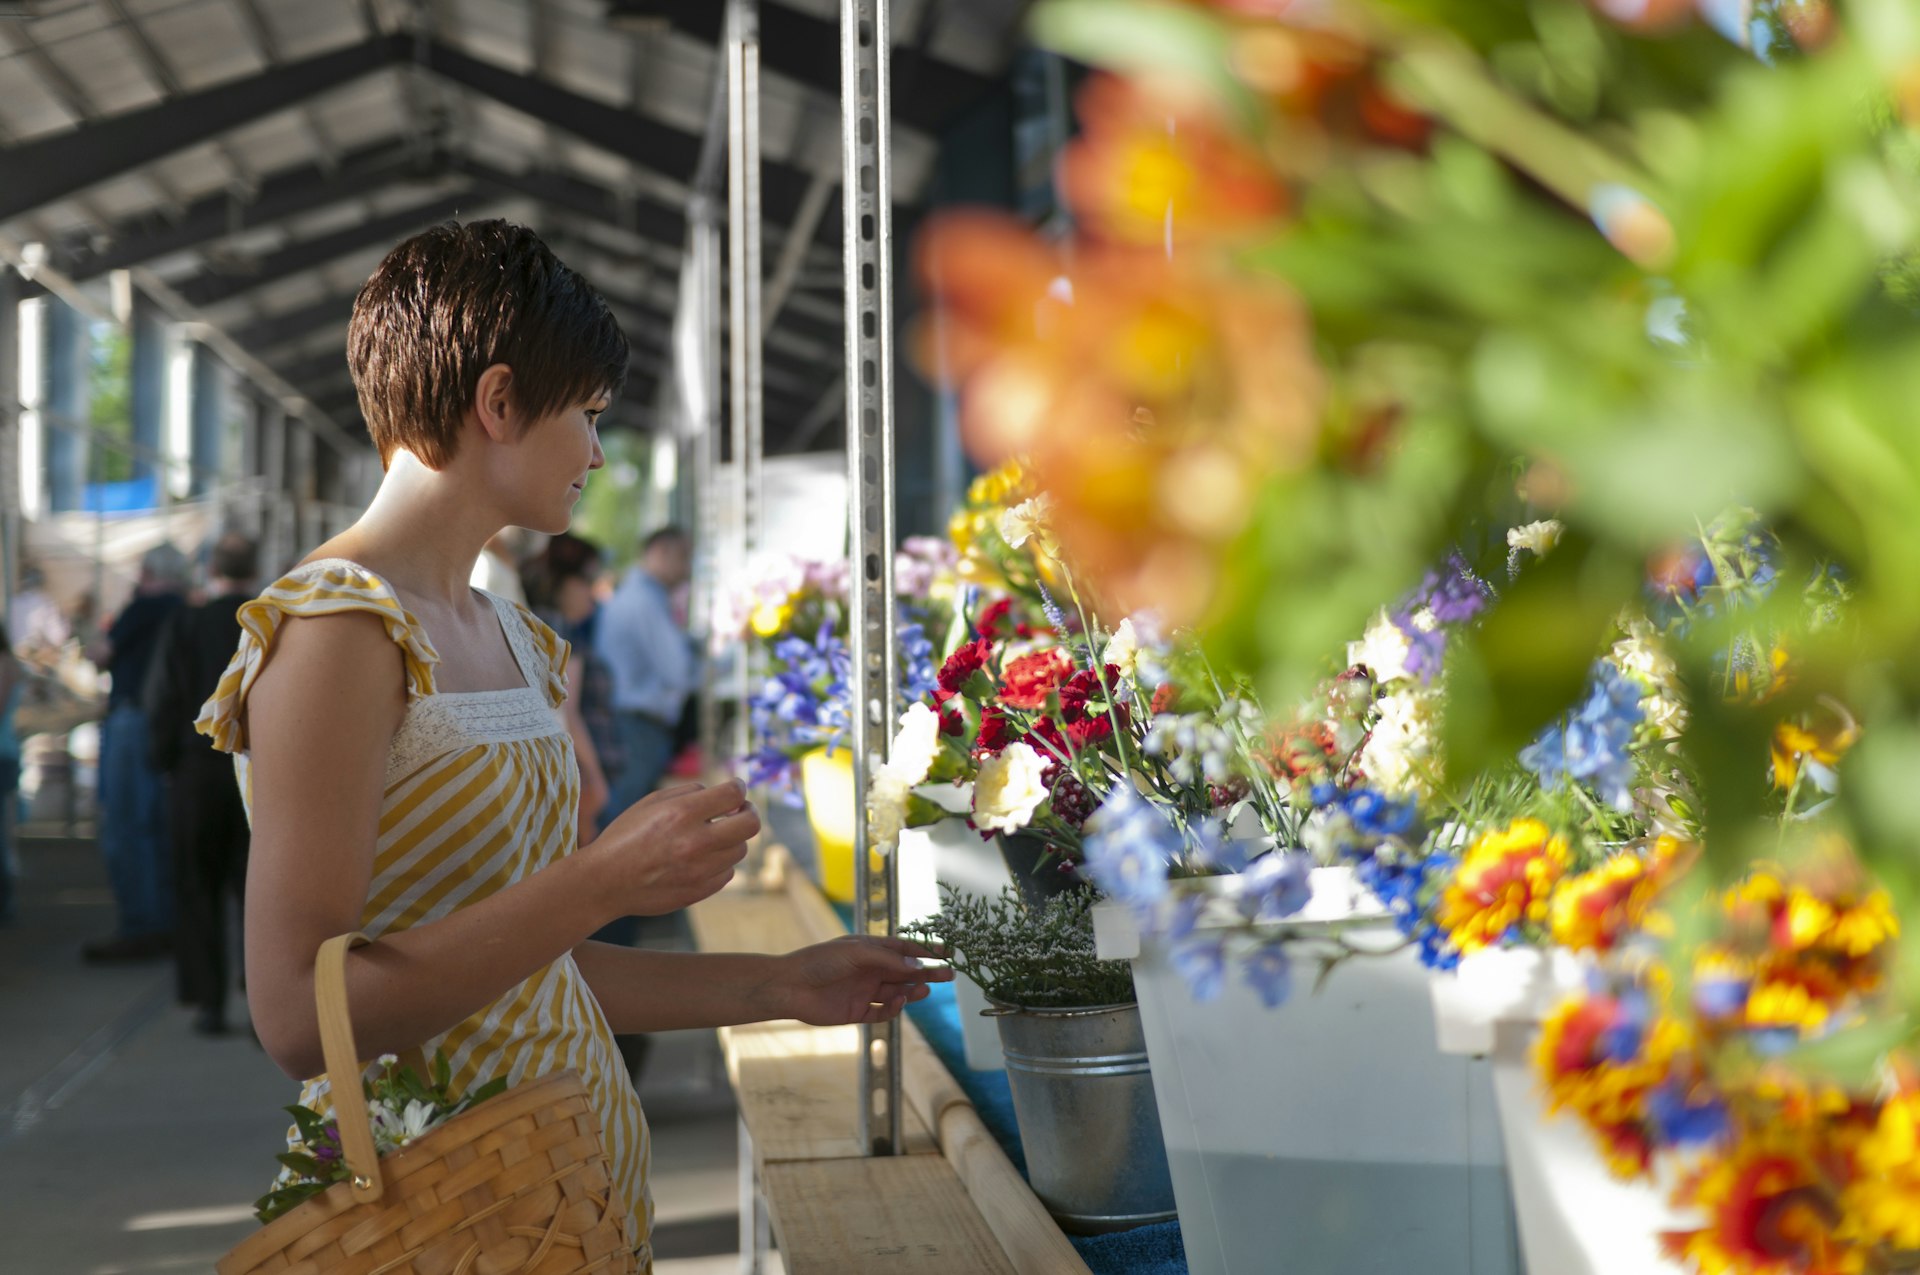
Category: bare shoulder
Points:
column 340, row 673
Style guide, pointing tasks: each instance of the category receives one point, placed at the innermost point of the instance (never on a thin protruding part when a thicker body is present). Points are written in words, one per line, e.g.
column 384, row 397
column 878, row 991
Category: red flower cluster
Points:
column 994, row 621
column 1087, row 707
column 963, row 664
column 1031, row 678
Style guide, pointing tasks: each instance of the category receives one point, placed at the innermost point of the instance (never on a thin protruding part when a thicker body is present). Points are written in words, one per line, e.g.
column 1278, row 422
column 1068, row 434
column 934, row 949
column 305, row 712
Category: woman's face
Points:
column 551, row 462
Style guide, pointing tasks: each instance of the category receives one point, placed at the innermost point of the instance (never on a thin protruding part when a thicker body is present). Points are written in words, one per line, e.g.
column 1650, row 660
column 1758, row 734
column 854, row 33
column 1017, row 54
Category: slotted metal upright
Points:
column 867, row 223
column 743, row 263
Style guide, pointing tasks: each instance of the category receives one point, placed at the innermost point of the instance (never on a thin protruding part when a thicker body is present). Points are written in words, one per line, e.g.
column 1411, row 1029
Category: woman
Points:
column 408, row 771
column 559, row 586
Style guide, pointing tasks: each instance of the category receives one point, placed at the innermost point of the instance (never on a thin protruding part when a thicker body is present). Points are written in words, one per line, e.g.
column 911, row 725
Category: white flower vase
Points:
column 1575, row 1217
column 1328, row 1136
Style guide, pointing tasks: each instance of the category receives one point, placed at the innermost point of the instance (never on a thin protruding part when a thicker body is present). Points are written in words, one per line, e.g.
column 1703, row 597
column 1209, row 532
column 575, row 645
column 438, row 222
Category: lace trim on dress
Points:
column 443, row 723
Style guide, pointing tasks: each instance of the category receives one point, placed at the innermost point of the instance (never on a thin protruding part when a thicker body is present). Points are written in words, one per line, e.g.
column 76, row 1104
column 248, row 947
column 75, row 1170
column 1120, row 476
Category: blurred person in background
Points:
column 209, row 817
column 652, row 662
column 133, row 806
column 560, row 584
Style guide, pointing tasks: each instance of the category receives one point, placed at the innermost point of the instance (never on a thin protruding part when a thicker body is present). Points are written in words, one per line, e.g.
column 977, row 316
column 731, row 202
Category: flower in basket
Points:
column 402, row 1106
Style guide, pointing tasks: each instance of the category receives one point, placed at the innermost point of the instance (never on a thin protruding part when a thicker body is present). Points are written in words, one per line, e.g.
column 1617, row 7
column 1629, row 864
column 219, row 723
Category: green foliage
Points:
column 319, row 1162
column 1026, row 958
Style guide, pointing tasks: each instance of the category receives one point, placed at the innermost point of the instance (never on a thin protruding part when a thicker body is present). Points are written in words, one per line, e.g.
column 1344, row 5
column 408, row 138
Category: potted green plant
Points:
column 1076, row 1056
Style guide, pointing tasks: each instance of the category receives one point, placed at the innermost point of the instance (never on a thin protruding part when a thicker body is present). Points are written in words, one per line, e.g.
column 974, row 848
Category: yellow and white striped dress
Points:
column 481, row 791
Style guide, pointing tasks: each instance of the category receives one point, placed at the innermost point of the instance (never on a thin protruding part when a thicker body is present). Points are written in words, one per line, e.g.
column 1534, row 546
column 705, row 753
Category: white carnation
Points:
column 1026, row 520
column 1008, row 789
column 1383, row 649
column 1536, row 537
column 1399, row 754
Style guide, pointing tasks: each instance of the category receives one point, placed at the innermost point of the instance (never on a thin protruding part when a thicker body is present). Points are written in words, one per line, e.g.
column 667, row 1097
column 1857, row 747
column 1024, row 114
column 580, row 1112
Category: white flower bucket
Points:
column 1575, row 1217
column 1328, row 1136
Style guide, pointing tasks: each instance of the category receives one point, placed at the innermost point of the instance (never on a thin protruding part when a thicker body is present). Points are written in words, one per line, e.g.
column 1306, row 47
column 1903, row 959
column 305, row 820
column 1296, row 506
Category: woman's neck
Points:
column 424, row 529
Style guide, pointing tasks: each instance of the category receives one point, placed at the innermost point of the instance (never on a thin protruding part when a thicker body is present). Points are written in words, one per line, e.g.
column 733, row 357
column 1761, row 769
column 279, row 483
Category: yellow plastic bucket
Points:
column 827, row 784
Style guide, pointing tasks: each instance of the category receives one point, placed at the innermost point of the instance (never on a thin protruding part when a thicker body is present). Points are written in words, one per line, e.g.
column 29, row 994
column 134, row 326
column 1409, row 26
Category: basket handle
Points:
column 343, row 1066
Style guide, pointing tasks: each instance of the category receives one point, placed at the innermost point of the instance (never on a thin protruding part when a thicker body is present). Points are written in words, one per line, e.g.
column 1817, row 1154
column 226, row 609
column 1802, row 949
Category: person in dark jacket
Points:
column 210, row 835
column 133, row 815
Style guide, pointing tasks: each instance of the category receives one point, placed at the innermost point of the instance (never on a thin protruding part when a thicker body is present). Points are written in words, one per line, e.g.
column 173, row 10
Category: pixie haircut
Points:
column 453, row 301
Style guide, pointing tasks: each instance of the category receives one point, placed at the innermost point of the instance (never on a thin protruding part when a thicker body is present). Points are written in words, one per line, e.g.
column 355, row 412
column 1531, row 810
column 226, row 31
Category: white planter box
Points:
column 1575, row 1217
column 1329, row 1136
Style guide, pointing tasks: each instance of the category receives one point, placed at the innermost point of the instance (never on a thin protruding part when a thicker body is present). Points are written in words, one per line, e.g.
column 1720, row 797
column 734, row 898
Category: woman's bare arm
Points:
column 320, row 721
column 847, row 980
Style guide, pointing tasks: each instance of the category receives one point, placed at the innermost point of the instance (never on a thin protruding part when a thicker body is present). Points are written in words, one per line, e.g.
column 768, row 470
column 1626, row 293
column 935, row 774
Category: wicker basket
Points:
column 518, row 1184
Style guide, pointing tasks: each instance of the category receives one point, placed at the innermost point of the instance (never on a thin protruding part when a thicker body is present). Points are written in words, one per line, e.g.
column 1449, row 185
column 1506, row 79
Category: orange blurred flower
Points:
column 1150, row 397
column 1155, row 166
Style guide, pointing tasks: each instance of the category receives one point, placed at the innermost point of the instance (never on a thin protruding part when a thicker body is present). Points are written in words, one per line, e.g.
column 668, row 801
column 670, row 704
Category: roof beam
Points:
column 286, row 193
column 54, row 167
column 308, row 254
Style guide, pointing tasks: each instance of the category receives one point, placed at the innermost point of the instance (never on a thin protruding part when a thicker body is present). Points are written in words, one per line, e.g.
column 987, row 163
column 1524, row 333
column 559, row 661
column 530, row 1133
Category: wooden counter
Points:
column 952, row 1204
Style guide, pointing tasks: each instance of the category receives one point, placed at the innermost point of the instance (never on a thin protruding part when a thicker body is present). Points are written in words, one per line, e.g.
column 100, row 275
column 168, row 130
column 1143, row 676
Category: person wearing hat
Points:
column 132, row 797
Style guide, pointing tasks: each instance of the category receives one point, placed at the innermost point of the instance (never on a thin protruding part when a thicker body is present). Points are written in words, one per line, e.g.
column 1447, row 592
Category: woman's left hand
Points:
column 855, row 980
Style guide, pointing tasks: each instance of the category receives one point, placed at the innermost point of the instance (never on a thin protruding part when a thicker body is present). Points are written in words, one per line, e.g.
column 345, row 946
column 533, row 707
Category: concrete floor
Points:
column 129, row 1144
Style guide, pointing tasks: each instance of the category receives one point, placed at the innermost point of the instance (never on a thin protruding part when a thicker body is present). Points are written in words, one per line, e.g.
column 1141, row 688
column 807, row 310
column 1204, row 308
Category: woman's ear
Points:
column 493, row 404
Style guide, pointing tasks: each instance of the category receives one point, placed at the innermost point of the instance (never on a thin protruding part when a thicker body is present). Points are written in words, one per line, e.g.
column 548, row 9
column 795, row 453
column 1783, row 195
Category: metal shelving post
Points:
column 866, row 208
column 743, row 264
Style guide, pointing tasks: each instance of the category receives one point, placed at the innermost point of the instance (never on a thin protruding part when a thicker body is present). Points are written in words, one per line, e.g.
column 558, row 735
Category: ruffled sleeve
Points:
column 551, row 652
column 330, row 587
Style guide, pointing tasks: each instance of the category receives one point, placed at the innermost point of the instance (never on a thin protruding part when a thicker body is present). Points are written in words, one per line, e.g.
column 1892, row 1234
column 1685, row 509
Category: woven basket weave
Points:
column 517, row 1185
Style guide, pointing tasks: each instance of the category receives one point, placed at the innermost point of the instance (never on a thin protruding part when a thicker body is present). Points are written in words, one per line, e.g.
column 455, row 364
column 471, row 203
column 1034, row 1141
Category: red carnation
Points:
column 996, row 732
column 1081, row 688
column 1050, row 744
column 993, row 618
column 1165, row 696
column 1031, row 678
column 952, row 720
column 963, row 664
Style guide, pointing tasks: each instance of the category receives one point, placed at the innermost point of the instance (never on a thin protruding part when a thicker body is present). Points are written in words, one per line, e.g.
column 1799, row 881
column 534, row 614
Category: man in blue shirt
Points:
column 652, row 663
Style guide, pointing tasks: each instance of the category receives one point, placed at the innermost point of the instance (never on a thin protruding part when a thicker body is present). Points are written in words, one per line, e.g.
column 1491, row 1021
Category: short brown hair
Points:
column 451, row 302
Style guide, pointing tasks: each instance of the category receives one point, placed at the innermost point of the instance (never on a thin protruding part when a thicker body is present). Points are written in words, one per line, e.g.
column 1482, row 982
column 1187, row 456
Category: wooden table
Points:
column 951, row 1204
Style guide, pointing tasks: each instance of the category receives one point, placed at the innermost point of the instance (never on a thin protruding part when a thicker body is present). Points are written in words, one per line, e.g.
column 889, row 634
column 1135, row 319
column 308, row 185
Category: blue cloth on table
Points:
column 1145, row 1250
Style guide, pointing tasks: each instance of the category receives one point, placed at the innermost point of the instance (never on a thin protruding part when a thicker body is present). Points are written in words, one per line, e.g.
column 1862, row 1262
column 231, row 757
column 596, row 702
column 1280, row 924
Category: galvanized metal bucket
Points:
column 1088, row 1123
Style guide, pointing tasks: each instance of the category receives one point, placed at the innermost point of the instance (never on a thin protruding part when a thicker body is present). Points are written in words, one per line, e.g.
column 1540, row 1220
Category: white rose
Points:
column 1536, row 537
column 1008, row 789
column 1026, row 519
column 1383, row 649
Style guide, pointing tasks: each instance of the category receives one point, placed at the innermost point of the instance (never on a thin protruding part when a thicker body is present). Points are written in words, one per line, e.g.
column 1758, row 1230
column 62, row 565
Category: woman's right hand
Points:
column 673, row 848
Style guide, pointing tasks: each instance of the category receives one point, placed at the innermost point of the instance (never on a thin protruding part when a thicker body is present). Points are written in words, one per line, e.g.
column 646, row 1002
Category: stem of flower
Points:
column 1098, row 667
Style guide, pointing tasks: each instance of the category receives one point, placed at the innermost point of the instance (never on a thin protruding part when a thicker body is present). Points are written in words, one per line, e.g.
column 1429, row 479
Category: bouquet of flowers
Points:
column 401, row 1106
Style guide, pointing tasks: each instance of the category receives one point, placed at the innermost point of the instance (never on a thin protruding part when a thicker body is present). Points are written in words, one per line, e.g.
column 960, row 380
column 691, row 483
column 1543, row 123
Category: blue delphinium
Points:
column 1202, row 962
column 1683, row 1118
column 1594, row 743
column 918, row 674
column 1270, row 974
column 1129, row 844
column 1276, row 885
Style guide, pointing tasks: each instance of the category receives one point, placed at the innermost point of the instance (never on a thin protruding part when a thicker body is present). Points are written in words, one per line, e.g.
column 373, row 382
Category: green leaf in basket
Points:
column 442, row 1071
column 492, row 1089
column 305, row 1165
column 282, row 1199
column 309, row 1122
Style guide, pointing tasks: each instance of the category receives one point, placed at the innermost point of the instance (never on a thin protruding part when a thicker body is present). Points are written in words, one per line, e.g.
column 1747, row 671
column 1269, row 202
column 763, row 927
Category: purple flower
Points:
column 1450, row 596
column 1270, row 974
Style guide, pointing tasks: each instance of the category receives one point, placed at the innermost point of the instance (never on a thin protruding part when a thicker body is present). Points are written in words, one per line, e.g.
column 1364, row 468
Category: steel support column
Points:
column 65, row 398
column 697, row 345
column 743, row 263
column 9, row 441
column 866, row 206
column 206, row 441
column 148, row 335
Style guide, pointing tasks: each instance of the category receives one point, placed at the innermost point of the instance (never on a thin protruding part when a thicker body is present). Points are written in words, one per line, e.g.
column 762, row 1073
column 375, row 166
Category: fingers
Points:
column 721, row 799
column 731, row 830
column 907, row 947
